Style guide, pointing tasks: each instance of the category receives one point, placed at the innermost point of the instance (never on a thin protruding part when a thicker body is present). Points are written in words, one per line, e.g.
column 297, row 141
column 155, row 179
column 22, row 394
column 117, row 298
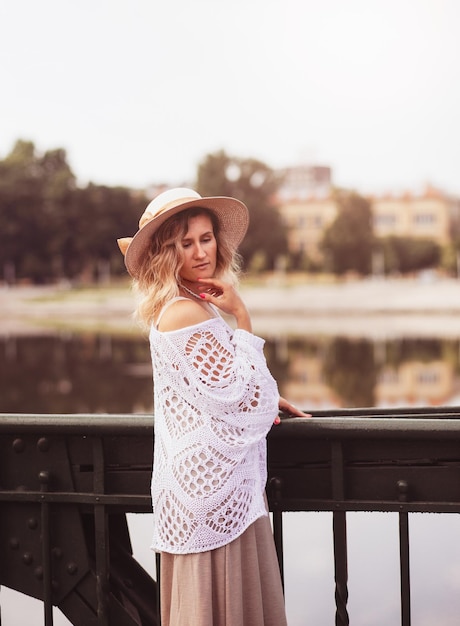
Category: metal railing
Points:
column 67, row 482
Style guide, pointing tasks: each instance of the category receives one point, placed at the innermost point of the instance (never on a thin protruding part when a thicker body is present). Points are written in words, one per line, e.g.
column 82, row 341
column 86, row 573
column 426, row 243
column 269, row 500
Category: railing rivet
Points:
column 44, row 477
column 57, row 553
column 276, row 485
column 54, row 585
column 38, row 572
column 32, row 523
column 43, row 444
column 14, row 543
column 72, row 568
column 403, row 488
column 18, row 445
column 27, row 558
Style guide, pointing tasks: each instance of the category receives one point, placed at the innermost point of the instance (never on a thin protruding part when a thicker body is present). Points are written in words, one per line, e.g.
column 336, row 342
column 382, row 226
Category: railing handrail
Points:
column 343, row 423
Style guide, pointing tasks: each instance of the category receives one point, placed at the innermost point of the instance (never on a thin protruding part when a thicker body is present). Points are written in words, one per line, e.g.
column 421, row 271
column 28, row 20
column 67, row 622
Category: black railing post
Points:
column 404, row 561
column 158, row 589
column 339, row 524
column 45, row 571
column 101, row 535
column 275, row 486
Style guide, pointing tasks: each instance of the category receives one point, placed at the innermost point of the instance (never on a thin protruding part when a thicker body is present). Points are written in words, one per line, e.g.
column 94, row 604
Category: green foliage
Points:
column 407, row 350
column 300, row 261
column 255, row 184
column 348, row 241
column 49, row 228
column 408, row 254
column 350, row 369
column 450, row 259
column 77, row 373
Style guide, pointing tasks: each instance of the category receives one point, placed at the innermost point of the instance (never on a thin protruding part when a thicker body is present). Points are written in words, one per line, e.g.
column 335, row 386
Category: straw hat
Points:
column 232, row 214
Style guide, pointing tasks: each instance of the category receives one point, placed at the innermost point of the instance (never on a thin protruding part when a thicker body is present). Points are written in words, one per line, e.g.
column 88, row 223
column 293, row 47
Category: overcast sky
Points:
column 139, row 91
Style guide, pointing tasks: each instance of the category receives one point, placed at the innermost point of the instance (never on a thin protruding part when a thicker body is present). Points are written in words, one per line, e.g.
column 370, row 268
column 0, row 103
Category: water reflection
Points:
column 342, row 372
column 74, row 374
column 69, row 373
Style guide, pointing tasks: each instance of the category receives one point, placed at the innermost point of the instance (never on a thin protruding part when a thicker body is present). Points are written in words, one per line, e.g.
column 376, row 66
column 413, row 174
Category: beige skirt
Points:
column 236, row 585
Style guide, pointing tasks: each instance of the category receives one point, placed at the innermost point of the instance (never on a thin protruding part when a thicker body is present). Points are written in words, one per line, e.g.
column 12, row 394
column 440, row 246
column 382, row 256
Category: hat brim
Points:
column 232, row 214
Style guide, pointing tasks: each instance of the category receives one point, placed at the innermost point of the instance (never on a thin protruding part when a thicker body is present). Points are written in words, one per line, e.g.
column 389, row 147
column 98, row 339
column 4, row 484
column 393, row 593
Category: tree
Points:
column 103, row 214
column 23, row 229
column 50, row 228
column 350, row 370
column 255, row 184
column 35, row 190
column 409, row 254
column 348, row 241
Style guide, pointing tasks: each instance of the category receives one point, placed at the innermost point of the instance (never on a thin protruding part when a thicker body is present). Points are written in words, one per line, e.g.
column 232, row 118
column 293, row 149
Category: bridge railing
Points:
column 68, row 481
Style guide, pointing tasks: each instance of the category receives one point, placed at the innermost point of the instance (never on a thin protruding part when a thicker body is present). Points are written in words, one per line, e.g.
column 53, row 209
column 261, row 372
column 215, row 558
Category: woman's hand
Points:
column 225, row 297
column 290, row 410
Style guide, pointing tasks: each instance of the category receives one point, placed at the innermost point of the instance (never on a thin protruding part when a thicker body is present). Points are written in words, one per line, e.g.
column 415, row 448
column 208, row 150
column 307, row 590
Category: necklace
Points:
column 192, row 293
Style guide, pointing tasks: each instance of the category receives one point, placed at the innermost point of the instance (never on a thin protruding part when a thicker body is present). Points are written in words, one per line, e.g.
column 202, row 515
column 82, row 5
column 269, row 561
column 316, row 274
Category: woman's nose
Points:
column 199, row 251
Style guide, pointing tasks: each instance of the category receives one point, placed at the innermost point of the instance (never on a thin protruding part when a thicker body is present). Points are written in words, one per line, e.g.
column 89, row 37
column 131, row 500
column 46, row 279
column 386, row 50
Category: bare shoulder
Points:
column 181, row 314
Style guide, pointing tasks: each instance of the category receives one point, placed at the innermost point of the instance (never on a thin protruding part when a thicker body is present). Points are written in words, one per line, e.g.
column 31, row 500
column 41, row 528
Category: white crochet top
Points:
column 215, row 401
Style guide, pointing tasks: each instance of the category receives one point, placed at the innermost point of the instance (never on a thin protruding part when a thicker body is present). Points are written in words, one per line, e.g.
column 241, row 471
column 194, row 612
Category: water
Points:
column 74, row 374
column 71, row 373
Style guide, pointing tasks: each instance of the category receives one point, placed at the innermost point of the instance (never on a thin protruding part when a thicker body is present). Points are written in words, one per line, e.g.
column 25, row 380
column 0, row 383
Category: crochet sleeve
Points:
column 225, row 373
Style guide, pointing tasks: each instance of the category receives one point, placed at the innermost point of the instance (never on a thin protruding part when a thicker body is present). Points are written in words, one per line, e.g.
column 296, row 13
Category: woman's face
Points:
column 199, row 248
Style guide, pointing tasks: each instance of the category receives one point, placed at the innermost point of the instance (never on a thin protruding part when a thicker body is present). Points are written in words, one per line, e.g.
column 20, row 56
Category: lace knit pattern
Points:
column 215, row 401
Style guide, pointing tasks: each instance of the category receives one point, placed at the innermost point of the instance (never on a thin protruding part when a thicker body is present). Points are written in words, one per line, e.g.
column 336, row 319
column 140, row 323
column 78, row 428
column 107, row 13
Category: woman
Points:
column 215, row 401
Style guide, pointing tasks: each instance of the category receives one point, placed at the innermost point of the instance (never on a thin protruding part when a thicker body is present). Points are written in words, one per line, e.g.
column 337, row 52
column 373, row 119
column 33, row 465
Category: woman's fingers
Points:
column 290, row 409
column 211, row 286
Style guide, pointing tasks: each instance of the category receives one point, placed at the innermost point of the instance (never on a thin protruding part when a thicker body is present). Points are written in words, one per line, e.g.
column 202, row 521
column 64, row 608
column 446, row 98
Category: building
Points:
column 304, row 181
column 307, row 206
column 427, row 215
column 306, row 222
column 416, row 383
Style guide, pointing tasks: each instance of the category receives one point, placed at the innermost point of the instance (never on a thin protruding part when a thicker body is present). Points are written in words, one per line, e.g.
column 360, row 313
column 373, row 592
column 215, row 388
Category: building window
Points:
column 387, row 220
column 317, row 221
column 428, row 377
column 389, row 377
column 424, row 219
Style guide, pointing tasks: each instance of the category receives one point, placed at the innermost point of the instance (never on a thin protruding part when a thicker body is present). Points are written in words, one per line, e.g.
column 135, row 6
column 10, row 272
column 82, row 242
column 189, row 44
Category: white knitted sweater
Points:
column 215, row 401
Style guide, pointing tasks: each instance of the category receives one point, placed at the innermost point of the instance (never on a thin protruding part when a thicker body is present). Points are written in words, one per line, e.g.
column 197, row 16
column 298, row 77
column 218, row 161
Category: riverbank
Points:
column 368, row 308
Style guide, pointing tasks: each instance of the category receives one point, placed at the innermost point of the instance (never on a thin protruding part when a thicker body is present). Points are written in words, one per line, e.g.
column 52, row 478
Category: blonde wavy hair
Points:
column 159, row 275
